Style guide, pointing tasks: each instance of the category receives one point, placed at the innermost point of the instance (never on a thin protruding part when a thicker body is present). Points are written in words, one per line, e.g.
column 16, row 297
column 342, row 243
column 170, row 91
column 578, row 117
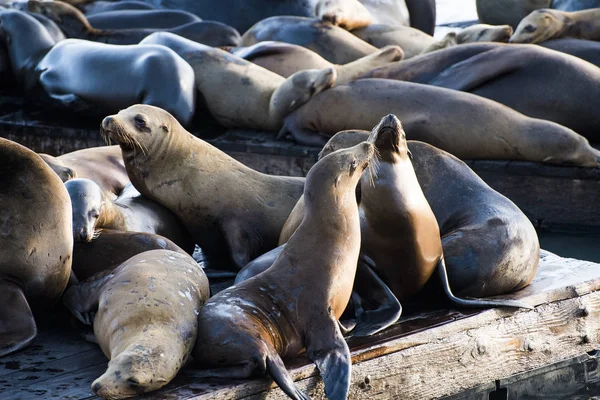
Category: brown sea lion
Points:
column 113, row 248
column 98, row 79
column 75, row 25
column 334, row 44
column 511, row 12
column 94, row 210
column 499, row 71
column 229, row 81
column 103, row 165
column 139, row 19
column 546, row 24
column 297, row 302
column 231, row 210
column 145, row 319
column 286, row 59
column 490, row 247
column 36, row 244
column 463, row 124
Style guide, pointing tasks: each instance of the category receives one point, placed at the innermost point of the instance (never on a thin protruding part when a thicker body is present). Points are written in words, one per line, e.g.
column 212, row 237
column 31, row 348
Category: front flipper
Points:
column 475, row 71
column 325, row 346
column 473, row 303
column 82, row 299
column 74, row 103
column 17, row 326
column 375, row 304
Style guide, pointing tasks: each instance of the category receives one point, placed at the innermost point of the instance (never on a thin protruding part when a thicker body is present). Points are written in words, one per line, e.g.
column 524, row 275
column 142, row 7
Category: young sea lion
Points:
column 36, row 244
column 145, row 319
column 296, row 303
column 546, row 24
column 231, row 210
column 75, row 25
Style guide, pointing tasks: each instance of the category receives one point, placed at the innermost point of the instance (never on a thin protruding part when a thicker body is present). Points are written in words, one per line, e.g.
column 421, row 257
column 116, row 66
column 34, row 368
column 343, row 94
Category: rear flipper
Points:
column 282, row 377
column 474, row 303
column 325, row 346
column 17, row 326
column 376, row 307
column 82, row 299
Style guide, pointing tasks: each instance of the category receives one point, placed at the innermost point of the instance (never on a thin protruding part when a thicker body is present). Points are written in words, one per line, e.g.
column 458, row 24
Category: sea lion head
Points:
column 87, row 202
column 136, row 370
column 139, row 129
column 537, row 27
column 390, row 139
column 61, row 13
column 484, row 33
column 343, row 140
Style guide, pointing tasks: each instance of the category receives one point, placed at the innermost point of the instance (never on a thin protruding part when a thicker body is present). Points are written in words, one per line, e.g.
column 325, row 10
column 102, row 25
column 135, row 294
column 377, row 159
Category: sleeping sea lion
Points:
column 136, row 19
column 546, row 24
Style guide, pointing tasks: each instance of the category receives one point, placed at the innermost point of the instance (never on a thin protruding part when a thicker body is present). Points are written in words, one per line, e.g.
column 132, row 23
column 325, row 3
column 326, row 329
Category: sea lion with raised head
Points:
column 75, row 25
column 144, row 316
column 232, row 211
column 94, row 210
column 36, row 244
column 229, row 81
column 97, row 78
column 286, row 59
column 468, row 126
column 297, row 302
column 546, row 24
column 333, row 43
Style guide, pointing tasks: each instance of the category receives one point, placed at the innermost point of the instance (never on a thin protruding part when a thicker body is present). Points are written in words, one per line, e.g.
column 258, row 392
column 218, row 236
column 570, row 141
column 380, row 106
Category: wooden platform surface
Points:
column 428, row 355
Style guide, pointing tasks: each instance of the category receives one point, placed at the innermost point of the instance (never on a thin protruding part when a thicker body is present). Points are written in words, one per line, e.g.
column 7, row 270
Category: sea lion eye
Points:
column 529, row 28
column 165, row 128
column 140, row 122
column 94, row 213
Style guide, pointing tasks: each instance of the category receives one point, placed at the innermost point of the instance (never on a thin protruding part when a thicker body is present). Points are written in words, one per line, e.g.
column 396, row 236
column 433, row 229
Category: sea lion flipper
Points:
column 372, row 320
column 82, row 299
column 328, row 350
column 243, row 244
column 17, row 326
column 281, row 376
column 474, row 303
column 74, row 103
column 473, row 72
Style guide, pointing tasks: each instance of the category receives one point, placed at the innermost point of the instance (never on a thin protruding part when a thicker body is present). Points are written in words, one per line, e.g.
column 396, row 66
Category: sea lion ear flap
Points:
column 17, row 326
column 330, row 353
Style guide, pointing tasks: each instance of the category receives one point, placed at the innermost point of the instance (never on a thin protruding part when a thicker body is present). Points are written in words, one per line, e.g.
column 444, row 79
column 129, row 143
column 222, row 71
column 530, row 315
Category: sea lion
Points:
column 135, row 19
column 422, row 15
column 546, row 24
column 231, row 210
column 94, row 210
column 490, row 247
column 75, row 25
column 497, row 72
column 511, row 12
column 588, row 50
column 463, row 124
column 412, row 41
column 103, row 165
column 122, row 76
column 27, row 42
column 484, row 33
column 105, row 6
column 286, row 59
column 36, row 244
column 145, row 321
column 347, row 15
column 228, row 81
column 297, row 302
column 113, row 248
column 334, row 44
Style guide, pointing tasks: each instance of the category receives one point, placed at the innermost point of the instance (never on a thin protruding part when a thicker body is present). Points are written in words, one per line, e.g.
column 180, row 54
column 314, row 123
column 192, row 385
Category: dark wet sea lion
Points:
column 105, row 6
column 122, row 76
column 511, row 12
column 422, row 14
column 588, row 50
column 229, row 81
column 297, row 302
column 94, row 210
column 286, row 59
column 334, row 44
column 112, row 248
column 490, row 247
column 546, row 24
column 145, row 319
column 75, row 25
column 135, row 19
column 36, row 244
column 498, row 71
column 468, row 126
column 231, row 210
column 103, row 165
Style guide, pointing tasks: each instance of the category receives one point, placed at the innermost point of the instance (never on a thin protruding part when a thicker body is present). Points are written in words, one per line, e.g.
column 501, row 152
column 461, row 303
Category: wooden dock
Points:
column 429, row 355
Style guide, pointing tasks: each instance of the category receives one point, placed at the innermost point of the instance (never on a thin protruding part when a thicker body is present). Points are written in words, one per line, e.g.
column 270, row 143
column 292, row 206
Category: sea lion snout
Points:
column 96, row 386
